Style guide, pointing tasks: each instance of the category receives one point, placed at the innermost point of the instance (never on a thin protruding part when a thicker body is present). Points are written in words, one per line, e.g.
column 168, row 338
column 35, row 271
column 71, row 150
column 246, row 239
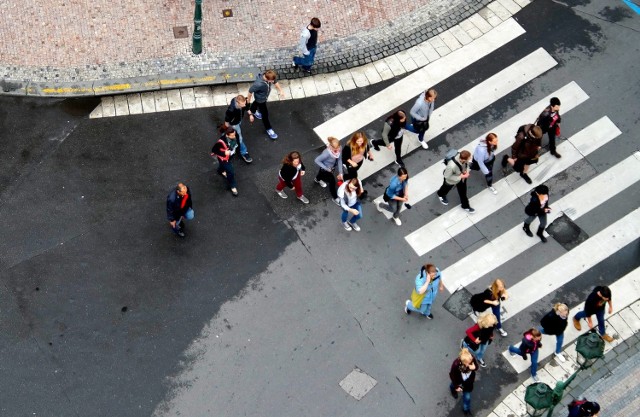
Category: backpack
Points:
column 583, row 408
column 477, row 302
column 451, row 153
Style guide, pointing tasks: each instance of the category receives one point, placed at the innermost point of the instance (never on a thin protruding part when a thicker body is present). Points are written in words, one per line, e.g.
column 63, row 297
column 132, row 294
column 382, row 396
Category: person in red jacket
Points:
column 531, row 342
column 223, row 150
column 463, row 374
column 290, row 175
column 480, row 335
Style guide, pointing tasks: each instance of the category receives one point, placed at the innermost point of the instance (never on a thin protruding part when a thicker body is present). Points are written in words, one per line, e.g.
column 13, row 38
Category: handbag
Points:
column 416, row 298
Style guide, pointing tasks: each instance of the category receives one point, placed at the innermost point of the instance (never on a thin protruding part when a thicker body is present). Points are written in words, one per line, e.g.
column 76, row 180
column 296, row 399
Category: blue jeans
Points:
column 425, row 309
column 559, row 340
column 306, row 61
column 466, row 399
column 226, row 166
column 354, row 219
column 534, row 358
column 479, row 353
column 599, row 315
column 410, row 128
column 496, row 312
column 243, row 147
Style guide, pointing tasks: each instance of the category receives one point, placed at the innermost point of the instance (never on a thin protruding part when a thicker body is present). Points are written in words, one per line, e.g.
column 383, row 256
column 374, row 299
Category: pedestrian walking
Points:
column 455, row 175
column 392, row 134
column 531, row 342
column 354, row 154
column 554, row 323
column 396, row 194
column 261, row 88
column 483, row 158
column 479, row 336
column 491, row 297
column 427, row 284
column 524, row 151
column 348, row 194
column 549, row 121
column 233, row 118
column 463, row 375
column 308, row 46
column 329, row 162
column 179, row 208
column 421, row 113
column 538, row 207
column 223, row 150
column 583, row 408
column 290, row 175
column 595, row 304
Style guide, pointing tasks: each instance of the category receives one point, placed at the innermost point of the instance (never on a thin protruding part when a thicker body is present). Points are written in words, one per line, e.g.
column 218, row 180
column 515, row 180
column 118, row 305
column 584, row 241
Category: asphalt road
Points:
column 267, row 304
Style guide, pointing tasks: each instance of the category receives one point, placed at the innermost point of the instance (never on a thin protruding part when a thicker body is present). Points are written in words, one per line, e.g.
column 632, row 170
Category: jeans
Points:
column 411, row 128
column 462, row 192
column 227, row 167
column 425, row 309
column 393, row 206
column 306, row 61
column 534, row 358
column 599, row 315
column 559, row 340
column 297, row 183
column 542, row 218
column 489, row 176
column 496, row 312
column 328, row 177
column 354, row 219
column 265, row 113
column 243, row 147
column 466, row 399
column 479, row 353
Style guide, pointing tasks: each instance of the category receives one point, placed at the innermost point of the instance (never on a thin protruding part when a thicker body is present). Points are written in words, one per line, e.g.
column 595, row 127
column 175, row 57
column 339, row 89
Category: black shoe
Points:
column 399, row 162
column 430, row 316
column 542, row 238
column 454, row 393
column 467, row 412
column 526, row 178
column 527, row 230
column 179, row 232
column 247, row 158
column 505, row 160
column 376, row 147
column 556, row 154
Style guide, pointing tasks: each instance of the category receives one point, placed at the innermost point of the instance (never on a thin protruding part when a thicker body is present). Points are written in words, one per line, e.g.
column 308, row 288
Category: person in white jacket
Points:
column 483, row 158
column 421, row 113
column 348, row 194
column 308, row 45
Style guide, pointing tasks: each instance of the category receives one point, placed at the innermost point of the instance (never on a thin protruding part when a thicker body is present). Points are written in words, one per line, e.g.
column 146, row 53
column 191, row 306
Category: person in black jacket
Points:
column 463, row 375
column 233, row 118
column 290, row 175
column 392, row 134
column 223, row 150
column 549, row 121
column 531, row 342
column 595, row 304
column 538, row 207
column 480, row 335
column 554, row 323
column 179, row 207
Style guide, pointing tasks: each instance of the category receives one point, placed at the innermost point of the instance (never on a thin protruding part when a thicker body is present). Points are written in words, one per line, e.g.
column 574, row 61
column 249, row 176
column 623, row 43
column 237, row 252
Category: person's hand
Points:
column 251, row 119
column 281, row 94
column 496, row 303
column 547, row 210
column 370, row 156
column 301, row 172
column 459, row 389
column 389, row 146
column 464, row 175
column 441, row 288
column 354, row 212
column 173, row 224
column 339, row 176
column 477, row 340
column 227, row 152
column 610, row 308
column 590, row 322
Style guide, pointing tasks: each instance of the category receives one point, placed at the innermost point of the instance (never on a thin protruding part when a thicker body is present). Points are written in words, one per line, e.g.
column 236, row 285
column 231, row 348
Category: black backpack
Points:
column 477, row 302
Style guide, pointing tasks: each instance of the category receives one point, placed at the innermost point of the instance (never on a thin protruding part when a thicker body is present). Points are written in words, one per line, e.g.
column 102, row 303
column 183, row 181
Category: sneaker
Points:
column 347, row 226
column 293, row 64
column 406, row 307
column 373, row 145
column 320, row 183
column 505, row 161
column 493, row 190
column 467, row 413
column 576, row 324
column 397, row 220
column 180, row 233
column 337, row 201
column 399, row 162
column 429, row 316
column 355, row 227
column 304, row 199
column 535, row 378
column 234, row 192
column 248, row 159
column 502, row 332
column 444, row 200
column 481, row 362
column 556, row 154
column 607, row 338
column 424, row 144
column 470, row 210
column 281, row 193
column 257, row 115
column 461, row 343
column 273, row 135
column 526, row 178
column 560, row 357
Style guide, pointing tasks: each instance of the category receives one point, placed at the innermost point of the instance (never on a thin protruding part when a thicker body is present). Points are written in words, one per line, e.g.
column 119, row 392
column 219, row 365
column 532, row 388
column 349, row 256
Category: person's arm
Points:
column 320, row 160
column 479, row 157
column 610, row 302
column 280, row 90
column 338, row 162
column 471, row 330
column 170, row 217
column 416, row 106
column 304, row 37
column 385, row 134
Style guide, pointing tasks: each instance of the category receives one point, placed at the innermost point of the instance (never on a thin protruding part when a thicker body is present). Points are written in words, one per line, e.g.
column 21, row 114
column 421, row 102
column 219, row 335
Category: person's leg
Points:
column 376, row 143
column 601, row 322
column 330, row 179
column 496, row 312
column 231, row 177
column 489, row 176
column 527, row 224
column 281, row 184
column 543, row 221
column 481, row 349
column 358, row 216
column 265, row 115
column 559, row 342
column 397, row 147
column 308, row 60
column 515, row 350
column 345, row 215
column 396, row 205
column 444, row 189
column 297, row 182
column 466, row 401
column 534, row 362
column 243, row 147
column 462, row 192
column 552, row 140
column 426, row 309
column 412, row 308
column 253, row 107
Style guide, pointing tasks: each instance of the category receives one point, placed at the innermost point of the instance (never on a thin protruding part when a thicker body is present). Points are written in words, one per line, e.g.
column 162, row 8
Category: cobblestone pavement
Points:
column 75, row 41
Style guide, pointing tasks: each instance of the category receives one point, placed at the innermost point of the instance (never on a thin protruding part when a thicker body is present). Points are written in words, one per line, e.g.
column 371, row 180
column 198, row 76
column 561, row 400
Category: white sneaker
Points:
column 304, row 199
column 502, row 332
column 347, row 226
column 397, row 220
column 535, row 378
column 320, row 183
column 493, row 190
column 281, row 194
column 355, row 227
column 424, row 144
column 337, row 201
column 406, row 307
column 560, row 357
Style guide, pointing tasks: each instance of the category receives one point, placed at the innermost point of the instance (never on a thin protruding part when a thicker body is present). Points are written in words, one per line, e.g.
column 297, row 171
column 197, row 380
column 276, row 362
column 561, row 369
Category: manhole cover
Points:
column 566, row 232
column 458, row 304
column 180, row 32
column 358, row 384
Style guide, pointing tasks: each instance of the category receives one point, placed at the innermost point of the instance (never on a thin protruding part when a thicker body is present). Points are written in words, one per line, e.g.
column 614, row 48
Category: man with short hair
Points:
column 261, row 88
column 233, row 118
column 455, row 175
column 595, row 304
column 179, row 207
column 308, row 45
column 421, row 113
column 549, row 121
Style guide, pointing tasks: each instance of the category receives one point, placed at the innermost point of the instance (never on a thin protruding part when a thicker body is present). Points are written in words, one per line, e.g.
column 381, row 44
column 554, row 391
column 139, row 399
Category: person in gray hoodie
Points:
column 455, row 175
column 483, row 158
column 330, row 161
column 421, row 113
column 261, row 88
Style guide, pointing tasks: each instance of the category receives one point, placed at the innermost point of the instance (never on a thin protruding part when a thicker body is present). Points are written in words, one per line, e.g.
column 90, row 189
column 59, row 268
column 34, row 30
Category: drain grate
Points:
column 458, row 304
column 358, row 384
column 566, row 232
column 180, row 32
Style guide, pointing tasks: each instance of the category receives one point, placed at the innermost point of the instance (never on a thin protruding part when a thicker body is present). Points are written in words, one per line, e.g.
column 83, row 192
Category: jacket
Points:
column 525, row 146
column 474, row 332
column 594, row 303
column 553, row 324
column 233, row 115
column 432, row 289
column 391, row 132
column 328, row 162
column 346, row 154
column 396, row 187
column 260, row 89
column 453, row 170
column 223, row 144
column 528, row 345
column 308, row 40
column 422, row 109
column 288, row 173
column 482, row 155
column 534, row 208
column 548, row 119
column 175, row 207
column 455, row 374
column 347, row 198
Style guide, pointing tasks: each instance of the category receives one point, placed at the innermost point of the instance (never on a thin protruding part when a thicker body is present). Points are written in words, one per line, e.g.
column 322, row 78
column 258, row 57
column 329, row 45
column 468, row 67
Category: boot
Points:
column 527, row 230
column 607, row 338
column 541, row 235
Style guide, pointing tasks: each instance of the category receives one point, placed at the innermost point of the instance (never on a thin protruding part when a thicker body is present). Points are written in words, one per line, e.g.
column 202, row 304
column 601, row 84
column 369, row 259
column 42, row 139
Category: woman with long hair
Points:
column 329, row 162
column 354, row 153
column 463, row 375
column 480, row 335
column 392, row 133
column 531, row 342
column 290, row 175
column 428, row 283
column 348, row 194
column 396, row 194
column 554, row 323
column 483, row 158
column 493, row 297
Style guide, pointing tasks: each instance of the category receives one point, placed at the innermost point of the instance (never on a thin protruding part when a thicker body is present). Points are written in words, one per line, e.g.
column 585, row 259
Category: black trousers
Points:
column 552, row 139
column 264, row 111
column 328, row 177
column 397, row 146
column 462, row 192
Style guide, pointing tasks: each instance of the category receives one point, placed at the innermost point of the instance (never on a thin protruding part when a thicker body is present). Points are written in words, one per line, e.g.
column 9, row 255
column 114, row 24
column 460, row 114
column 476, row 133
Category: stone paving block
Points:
column 346, row 79
column 108, row 107
column 546, row 377
column 162, row 104
column 322, row 86
column 635, row 307
column 334, row 83
column 188, row 98
column 439, row 46
column 620, row 327
column 395, row 65
column 502, row 410
column 121, row 105
column 135, row 103
column 97, row 112
column 490, row 16
column 515, row 405
column 520, row 391
column 523, row 3
column 219, row 96
column 357, row 384
column 309, row 87
column 274, row 95
column 429, row 51
column 296, row 88
column 510, row 5
column 371, row 73
column 492, row 414
column 286, row 90
column 148, row 102
column 407, row 62
column 467, row 25
column 450, row 40
column 383, row 69
column 174, row 99
column 480, row 22
column 461, row 35
column 556, row 371
column 359, row 77
column 499, row 10
column 243, row 88
column 204, row 96
column 418, row 56
column 631, row 319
